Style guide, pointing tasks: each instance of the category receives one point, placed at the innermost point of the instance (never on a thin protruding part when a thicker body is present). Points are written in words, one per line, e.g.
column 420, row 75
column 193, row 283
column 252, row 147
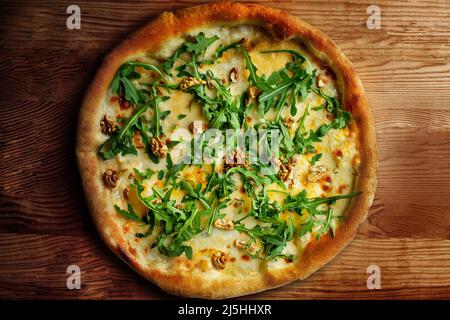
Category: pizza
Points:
column 226, row 149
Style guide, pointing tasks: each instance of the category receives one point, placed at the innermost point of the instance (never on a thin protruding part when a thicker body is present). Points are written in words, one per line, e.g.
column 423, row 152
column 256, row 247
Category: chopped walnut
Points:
column 219, row 259
column 240, row 244
column 247, row 44
column 322, row 79
column 251, row 248
column 288, row 122
column 286, row 169
column 316, row 173
column 195, row 129
column 237, row 159
column 137, row 139
column 107, row 125
column 234, row 75
column 190, row 82
column 224, row 224
column 159, row 149
column 126, row 192
column 110, row 178
column 210, row 83
column 252, row 94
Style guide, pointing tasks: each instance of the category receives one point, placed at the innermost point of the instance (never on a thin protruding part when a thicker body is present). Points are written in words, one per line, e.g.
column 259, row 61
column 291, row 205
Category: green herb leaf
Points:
column 315, row 158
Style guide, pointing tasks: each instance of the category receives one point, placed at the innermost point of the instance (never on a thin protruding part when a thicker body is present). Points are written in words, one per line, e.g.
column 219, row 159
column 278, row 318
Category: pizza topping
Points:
column 236, row 159
column 107, row 125
column 271, row 101
column 110, row 178
column 288, row 122
column 341, row 188
column 137, row 140
column 219, row 259
column 188, row 82
column 286, row 169
column 239, row 243
column 251, row 248
column 234, row 75
column 316, row 173
column 124, row 104
column 252, row 94
column 126, row 192
column 159, row 149
column 195, row 130
column 322, row 79
column 224, row 224
column 338, row 153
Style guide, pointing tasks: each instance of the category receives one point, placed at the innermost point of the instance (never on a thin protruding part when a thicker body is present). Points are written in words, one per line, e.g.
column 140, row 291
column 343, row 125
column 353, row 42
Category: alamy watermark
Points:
column 231, row 147
column 74, row 20
column 374, row 280
column 74, row 279
column 374, row 20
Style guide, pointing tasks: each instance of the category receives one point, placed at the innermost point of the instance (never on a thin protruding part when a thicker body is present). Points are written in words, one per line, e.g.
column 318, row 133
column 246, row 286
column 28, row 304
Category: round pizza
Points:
column 226, row 149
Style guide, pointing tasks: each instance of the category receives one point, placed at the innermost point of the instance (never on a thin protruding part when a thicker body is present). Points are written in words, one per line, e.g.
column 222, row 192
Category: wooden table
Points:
column 44, row 223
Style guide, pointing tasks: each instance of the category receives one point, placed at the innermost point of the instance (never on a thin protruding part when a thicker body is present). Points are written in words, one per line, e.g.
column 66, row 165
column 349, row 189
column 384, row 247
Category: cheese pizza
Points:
column 226, row 149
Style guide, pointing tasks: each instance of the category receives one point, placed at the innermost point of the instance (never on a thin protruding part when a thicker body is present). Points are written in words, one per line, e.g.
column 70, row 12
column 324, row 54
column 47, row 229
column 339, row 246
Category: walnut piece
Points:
column 315, row 173
column 210, row 83
column 240, row 244
column 110, row 178
column 137, row 140
column 288, row 122
column 195, row 129
column 236, row 159
column 219, row 259
column 159, row 149
column 107, row 125
column 252, row 94
column 224, row 224
column 190, row 82
column 322, row 79
column 126, row 192
column 286, row 169
column 234, row 75
column 251, row 248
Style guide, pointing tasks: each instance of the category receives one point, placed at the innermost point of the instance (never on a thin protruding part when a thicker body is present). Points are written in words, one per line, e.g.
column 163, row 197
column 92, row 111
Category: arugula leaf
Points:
column 122, row 85
column 130, row 214
column 173, row 170
column 215, row 215
column 315, row 158
column 253, row 77
column 195, row 194
column 300, row 202
column 274, row 237
column 144, row 175
column 201, row 43
column 169, row 63
column 280, row 88
column 121, row 140
column 221, row 49
column 341, row 117
column 249, row 174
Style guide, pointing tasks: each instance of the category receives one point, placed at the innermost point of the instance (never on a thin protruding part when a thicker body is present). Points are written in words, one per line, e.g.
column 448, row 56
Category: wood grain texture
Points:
column 44, row 224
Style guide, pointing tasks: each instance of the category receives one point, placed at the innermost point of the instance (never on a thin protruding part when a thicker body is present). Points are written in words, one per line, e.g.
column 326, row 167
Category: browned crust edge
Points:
column 281, row 25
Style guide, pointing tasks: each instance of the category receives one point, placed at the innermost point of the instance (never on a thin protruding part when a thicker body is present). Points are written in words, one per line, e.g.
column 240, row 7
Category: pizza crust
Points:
column 150, row 38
